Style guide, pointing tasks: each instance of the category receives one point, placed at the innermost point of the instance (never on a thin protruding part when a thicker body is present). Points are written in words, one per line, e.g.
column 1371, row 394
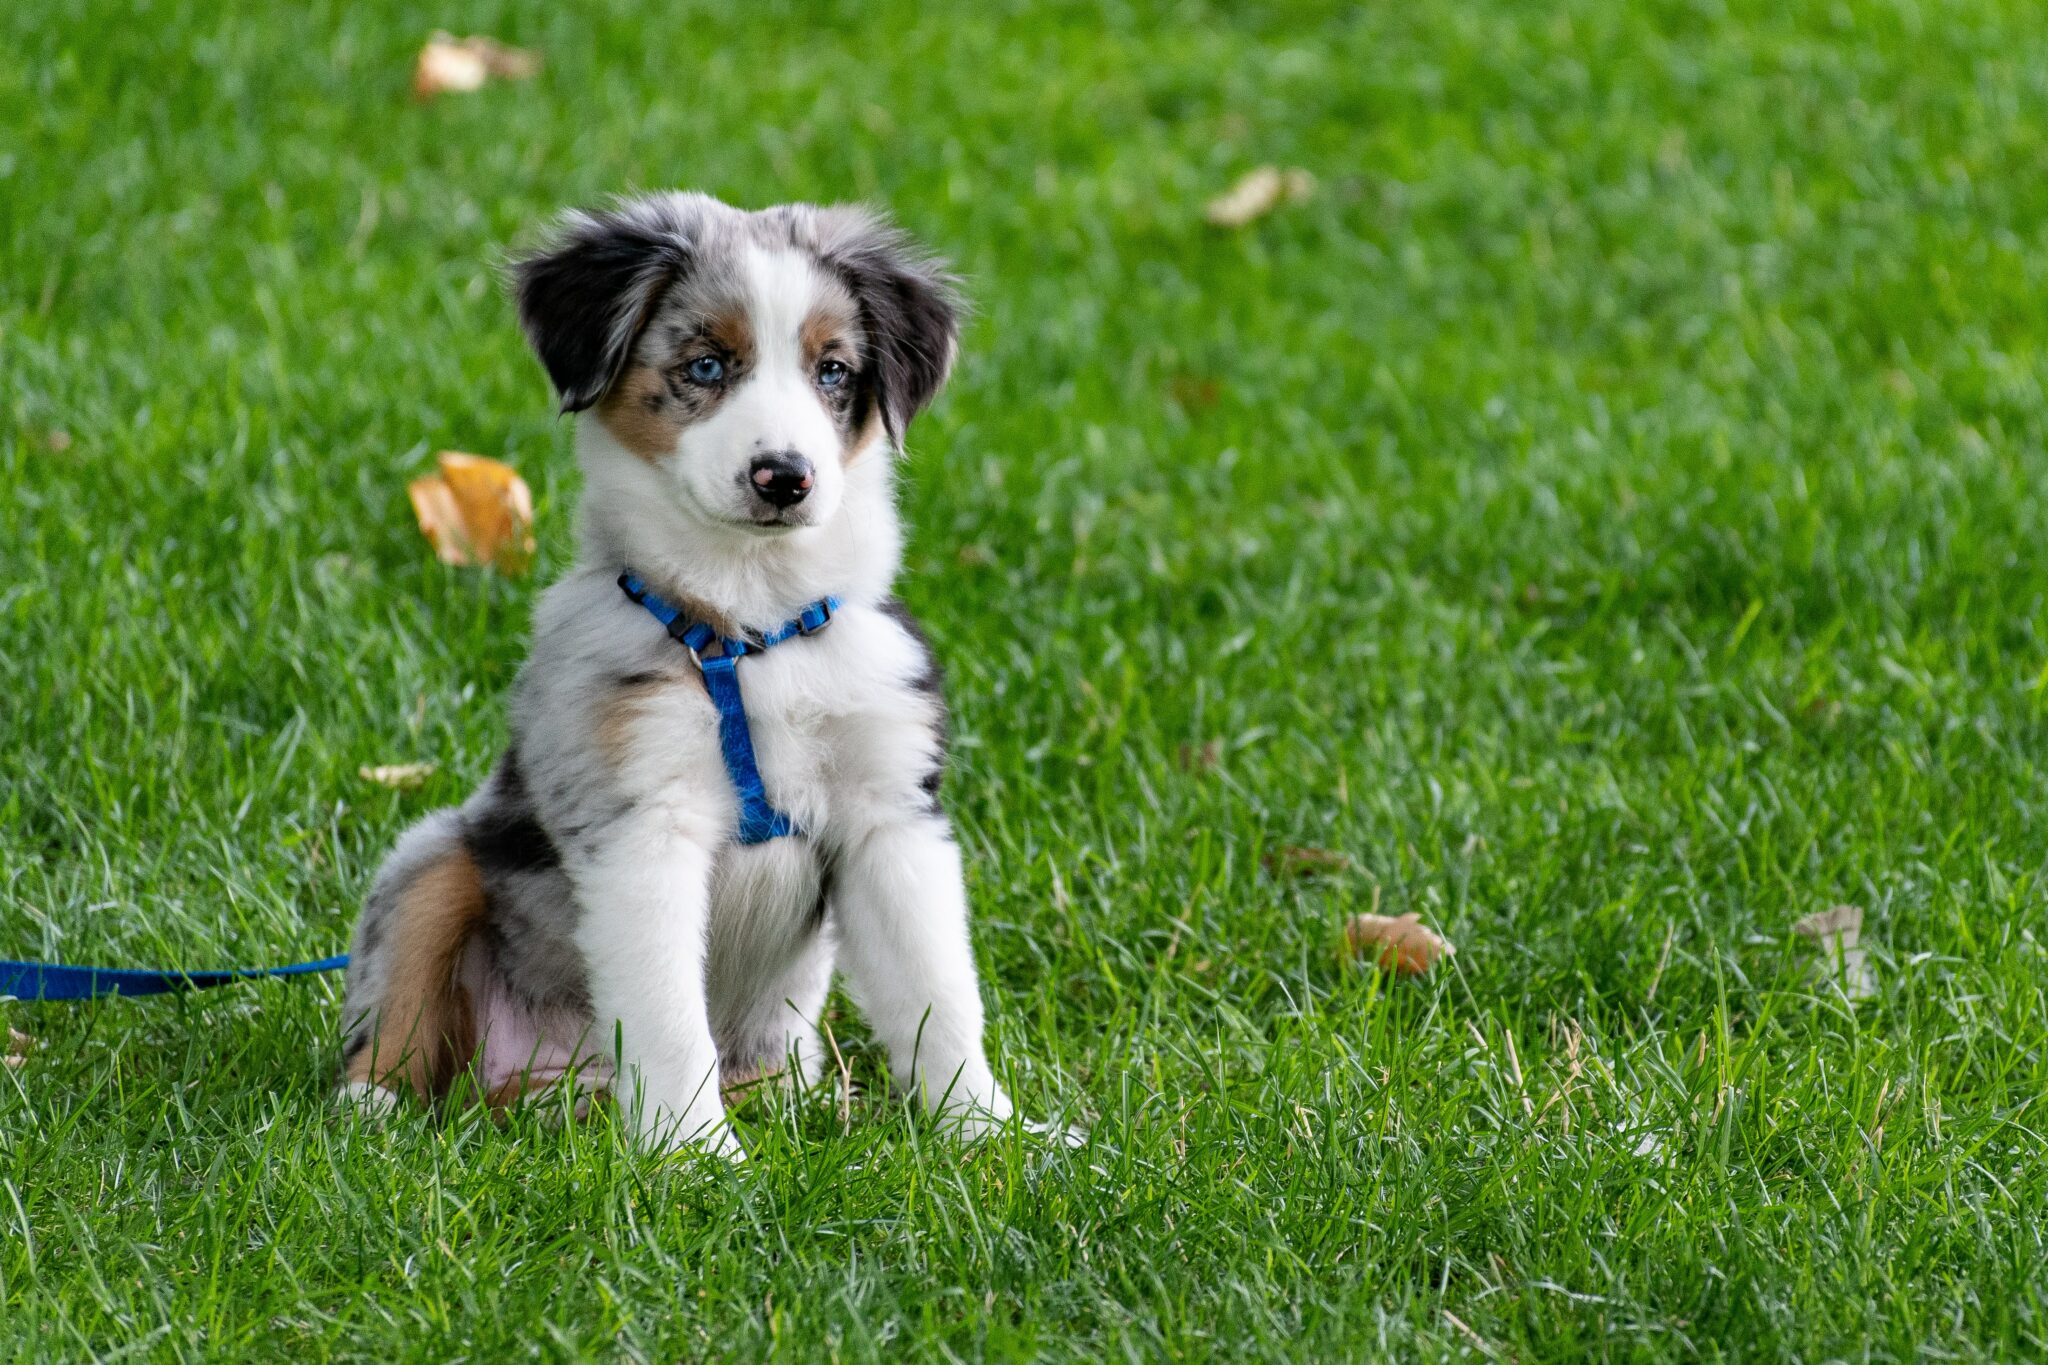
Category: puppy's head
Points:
column 750, row 358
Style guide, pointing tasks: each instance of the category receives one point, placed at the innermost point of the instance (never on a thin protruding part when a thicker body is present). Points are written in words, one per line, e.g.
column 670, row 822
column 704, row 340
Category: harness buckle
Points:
column 803, row 623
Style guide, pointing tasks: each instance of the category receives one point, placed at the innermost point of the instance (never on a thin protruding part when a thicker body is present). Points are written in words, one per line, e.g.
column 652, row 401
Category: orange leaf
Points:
column 397, row 776
column 1396, row 943
column 449, row 65
column 1257, row 194
column 477, row 511
column 446, row 67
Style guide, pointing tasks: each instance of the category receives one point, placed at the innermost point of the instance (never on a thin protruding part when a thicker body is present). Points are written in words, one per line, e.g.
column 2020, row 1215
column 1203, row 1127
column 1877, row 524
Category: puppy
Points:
column 614, row 903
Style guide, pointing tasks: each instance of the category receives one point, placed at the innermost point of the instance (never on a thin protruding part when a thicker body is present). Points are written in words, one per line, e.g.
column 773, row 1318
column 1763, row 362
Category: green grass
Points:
column 1609, row 511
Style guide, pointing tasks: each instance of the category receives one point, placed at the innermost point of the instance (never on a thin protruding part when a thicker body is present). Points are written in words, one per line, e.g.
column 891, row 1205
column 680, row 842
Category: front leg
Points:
column 645, row 895
column 900, row 902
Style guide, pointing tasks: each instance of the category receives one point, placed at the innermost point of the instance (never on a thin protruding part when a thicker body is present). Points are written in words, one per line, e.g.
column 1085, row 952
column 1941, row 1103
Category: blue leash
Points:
column 55, row 981
column 759, row 821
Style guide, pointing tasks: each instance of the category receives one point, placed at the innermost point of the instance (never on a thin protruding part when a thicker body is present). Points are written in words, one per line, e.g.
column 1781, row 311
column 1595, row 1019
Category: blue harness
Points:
column 759, row 821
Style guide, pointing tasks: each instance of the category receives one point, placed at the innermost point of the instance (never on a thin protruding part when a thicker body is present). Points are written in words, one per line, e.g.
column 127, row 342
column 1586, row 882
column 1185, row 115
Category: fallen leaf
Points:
column 18, row 1044
column 1258, row 193
column 1837, row 932
column 59, row 441
column 505, row 62
column 477, row 511
column 1820, row 709
column 448, row 65
column 1396, row 943
column 1290, row 860
column 1844, row 922
column 1202, row 759
column 397, row 776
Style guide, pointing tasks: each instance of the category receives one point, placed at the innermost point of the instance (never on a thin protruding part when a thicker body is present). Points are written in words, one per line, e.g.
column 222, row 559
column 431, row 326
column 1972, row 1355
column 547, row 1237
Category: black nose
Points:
column 782, row 479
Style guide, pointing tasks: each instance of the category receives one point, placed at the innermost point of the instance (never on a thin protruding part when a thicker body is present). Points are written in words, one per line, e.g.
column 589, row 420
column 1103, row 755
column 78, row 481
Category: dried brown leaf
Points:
column 397, row 776
column 1292, row 860
column 1396, row 943
column 1257, row 193
column 1837, row 932
column 448, row 65
column 477, row 511
column 503, row 61
column 1843, row 922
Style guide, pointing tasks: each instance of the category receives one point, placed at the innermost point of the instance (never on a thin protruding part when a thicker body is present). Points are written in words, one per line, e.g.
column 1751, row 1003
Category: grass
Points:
column 1609, row 512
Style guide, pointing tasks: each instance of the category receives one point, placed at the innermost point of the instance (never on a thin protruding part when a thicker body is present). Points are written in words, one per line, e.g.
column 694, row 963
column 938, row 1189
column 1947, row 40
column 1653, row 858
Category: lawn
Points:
column 1607, row 512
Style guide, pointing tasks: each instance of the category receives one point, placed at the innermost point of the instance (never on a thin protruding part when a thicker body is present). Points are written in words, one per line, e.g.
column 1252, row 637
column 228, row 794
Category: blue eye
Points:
column 832, row 374
column 706, row 369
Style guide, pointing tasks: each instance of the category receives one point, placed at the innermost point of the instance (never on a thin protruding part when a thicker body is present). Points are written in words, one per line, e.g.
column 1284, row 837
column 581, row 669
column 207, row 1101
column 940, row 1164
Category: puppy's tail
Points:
column 410, row 1021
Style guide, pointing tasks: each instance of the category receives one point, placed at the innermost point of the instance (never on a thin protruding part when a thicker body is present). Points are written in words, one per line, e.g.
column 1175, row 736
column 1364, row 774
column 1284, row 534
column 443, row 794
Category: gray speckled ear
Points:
column 910, row 308
column 584, row 297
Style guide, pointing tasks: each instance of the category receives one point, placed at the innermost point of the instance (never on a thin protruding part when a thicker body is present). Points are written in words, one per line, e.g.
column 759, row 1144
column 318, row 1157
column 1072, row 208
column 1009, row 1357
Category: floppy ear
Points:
column 584, row 297
column 909, row 305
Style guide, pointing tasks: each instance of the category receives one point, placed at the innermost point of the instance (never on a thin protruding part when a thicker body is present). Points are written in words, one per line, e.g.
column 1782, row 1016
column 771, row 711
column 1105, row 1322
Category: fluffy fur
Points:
column 741, row 384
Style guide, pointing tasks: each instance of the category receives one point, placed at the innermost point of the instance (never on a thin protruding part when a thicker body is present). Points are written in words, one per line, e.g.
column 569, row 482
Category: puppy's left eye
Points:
column 832, row 374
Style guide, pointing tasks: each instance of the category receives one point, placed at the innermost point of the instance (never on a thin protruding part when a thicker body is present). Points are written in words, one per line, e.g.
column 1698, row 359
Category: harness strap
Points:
column 759, row 820
column 56, row 981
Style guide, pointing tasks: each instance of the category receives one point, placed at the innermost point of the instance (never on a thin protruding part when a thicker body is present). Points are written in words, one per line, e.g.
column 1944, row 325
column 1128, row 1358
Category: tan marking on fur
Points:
column 866, row 439
column 639, row 412
column 742, row 1079
column 512, row 1093
column 426, row 1025
column 732, row 331
column 832, row 329
column 616, row 718
column 826, row 324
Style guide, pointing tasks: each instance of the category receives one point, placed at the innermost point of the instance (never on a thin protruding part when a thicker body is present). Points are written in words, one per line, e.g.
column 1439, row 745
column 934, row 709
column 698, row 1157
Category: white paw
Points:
column 703, row 1135
column 722, row 1141
column 365, row 1099
column 1057, row 1134
column 973, row 1122
column 707, row 1144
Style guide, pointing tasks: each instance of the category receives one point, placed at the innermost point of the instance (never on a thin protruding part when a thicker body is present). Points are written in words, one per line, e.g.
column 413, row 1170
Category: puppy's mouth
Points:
column 774, row 523
column 753, row 517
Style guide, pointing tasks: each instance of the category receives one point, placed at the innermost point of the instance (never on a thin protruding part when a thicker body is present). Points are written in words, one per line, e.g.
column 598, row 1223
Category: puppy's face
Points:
column 750, row 359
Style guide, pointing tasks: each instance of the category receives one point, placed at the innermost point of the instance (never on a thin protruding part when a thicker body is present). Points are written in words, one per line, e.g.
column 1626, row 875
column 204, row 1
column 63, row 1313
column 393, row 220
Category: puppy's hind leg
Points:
column 777, row 1036
column 770, row 963
column 408, row 1020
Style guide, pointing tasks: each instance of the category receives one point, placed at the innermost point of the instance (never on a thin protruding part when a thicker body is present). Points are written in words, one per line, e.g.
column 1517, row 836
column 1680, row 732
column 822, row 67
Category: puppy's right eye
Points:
column 706, row 369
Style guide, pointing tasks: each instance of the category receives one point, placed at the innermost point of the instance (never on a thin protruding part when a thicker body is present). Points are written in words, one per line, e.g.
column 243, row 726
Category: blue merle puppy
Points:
column 598, row 909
